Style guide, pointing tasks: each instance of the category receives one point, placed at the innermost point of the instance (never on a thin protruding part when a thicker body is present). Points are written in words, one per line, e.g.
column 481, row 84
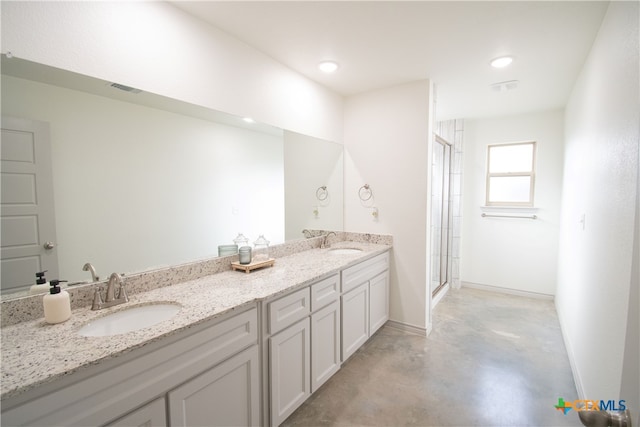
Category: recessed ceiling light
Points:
column 249, row 120
column 501, row 62
column 328, row 66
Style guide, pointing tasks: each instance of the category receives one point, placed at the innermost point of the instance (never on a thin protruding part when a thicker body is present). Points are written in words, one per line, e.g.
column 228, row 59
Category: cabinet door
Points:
column 378, row 301
column 355, row 319
column 226, row 395
column 290, row 371
column 325, row 344
column 152, row 414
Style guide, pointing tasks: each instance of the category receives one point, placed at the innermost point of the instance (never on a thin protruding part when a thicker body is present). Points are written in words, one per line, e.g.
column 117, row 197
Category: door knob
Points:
column 605, row 419
column 49, row 245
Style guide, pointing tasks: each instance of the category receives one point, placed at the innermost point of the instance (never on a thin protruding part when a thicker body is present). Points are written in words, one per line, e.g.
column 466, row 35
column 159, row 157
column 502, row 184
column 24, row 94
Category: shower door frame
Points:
column 445, row 221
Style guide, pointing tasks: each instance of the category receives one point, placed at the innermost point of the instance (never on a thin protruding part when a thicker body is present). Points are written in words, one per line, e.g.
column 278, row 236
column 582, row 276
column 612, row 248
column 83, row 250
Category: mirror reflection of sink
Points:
column 130, row 319
column 344, row 251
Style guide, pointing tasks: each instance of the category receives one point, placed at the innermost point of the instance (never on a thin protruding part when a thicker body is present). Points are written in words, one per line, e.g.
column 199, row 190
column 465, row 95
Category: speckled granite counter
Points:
column 35, row 353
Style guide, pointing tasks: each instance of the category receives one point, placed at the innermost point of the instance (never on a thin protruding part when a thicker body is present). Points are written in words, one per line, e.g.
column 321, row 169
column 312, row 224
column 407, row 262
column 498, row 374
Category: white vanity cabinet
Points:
column 365, row 301
column 304, row 344
column 310, row 331
column 254, row 365
column 206, row 375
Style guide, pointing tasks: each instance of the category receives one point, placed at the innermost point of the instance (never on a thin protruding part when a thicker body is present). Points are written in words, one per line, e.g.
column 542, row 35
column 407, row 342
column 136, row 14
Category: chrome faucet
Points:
column 325, row 237
column 307, row 233
column 88, row 267
column 110, row 298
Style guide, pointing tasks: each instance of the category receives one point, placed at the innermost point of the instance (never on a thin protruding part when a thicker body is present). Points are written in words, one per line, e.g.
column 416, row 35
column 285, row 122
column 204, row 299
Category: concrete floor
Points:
column 491, row 360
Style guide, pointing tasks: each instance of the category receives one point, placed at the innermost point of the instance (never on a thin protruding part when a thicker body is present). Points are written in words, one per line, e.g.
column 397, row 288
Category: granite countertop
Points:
column 35, row 353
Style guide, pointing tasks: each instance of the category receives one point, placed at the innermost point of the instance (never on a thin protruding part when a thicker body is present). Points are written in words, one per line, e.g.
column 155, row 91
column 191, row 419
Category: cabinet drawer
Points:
column 289, row 309
column 325, row 292
column 358, row 274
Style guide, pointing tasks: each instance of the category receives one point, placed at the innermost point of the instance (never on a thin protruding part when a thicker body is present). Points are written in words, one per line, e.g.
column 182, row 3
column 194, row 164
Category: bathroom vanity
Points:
column 308, row 333
column 245, row 349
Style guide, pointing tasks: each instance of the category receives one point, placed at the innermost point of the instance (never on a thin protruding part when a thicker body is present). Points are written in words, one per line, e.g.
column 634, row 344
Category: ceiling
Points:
column 385, row 43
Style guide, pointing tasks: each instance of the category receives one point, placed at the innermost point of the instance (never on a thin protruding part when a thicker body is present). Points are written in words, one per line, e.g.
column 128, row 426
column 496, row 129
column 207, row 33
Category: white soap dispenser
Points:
column 57, row 305
column 41, row 286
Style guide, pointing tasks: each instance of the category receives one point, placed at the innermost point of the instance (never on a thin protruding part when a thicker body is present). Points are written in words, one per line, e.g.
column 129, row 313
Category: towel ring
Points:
column 365, row 193
column 322, row 193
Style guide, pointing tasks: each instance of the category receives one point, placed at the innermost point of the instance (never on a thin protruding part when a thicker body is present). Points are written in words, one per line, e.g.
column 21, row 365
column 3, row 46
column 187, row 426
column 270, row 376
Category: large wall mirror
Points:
column 137, row 181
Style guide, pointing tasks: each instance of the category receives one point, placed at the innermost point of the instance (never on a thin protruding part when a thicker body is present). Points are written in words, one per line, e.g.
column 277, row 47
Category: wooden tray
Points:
column 253, row 266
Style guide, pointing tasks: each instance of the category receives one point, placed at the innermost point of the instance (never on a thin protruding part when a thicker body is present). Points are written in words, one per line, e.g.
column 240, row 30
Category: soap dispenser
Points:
column 57, row 305
column 41, row 286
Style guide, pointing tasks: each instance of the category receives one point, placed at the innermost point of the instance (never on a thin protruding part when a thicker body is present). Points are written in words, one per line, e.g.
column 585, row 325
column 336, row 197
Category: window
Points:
column 511, row 174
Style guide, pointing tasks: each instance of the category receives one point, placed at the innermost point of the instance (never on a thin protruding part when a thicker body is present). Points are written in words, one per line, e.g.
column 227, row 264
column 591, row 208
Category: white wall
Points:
column 519, row 254
column 387, row 134
column 136, row 187
column 310, row 163
column 600, row 181
column 158, row 48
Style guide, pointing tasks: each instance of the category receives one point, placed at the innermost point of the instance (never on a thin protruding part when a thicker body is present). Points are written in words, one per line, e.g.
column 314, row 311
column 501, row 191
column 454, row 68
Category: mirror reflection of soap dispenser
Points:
column 41, row 286
column 57, row 305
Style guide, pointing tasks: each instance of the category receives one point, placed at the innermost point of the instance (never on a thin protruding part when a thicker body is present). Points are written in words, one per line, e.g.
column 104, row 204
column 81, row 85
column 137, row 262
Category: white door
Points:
column 27, row 212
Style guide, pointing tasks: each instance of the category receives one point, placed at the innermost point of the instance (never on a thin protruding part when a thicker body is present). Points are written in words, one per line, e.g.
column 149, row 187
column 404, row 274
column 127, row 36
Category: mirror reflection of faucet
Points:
column 88, row 267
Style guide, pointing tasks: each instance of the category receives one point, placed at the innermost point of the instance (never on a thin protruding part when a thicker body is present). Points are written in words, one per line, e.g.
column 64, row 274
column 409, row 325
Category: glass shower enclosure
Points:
column 441, row 208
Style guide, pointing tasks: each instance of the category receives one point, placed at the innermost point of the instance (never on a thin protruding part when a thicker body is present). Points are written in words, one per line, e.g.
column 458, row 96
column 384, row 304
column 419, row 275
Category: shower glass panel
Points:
column 440, row 214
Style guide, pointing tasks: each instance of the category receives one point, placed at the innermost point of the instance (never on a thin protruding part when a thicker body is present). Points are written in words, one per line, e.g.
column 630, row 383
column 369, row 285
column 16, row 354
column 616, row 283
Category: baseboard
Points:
column 509, row 291
column 408, row 328
column 572, row 361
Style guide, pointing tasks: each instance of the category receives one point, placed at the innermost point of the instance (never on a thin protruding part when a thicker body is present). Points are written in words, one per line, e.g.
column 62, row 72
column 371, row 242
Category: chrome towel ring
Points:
column 322, row 193
column 365, row 193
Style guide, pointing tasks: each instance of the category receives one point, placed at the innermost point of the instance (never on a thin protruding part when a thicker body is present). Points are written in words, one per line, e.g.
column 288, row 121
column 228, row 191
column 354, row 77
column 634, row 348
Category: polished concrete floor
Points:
column 491, row 360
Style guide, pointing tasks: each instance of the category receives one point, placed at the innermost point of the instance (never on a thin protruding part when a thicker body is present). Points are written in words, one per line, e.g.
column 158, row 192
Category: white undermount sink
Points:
column 130, row 319
column 344, row 251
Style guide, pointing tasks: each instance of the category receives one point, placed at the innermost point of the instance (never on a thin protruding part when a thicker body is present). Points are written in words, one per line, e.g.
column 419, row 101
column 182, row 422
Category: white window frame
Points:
column 531, row 174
